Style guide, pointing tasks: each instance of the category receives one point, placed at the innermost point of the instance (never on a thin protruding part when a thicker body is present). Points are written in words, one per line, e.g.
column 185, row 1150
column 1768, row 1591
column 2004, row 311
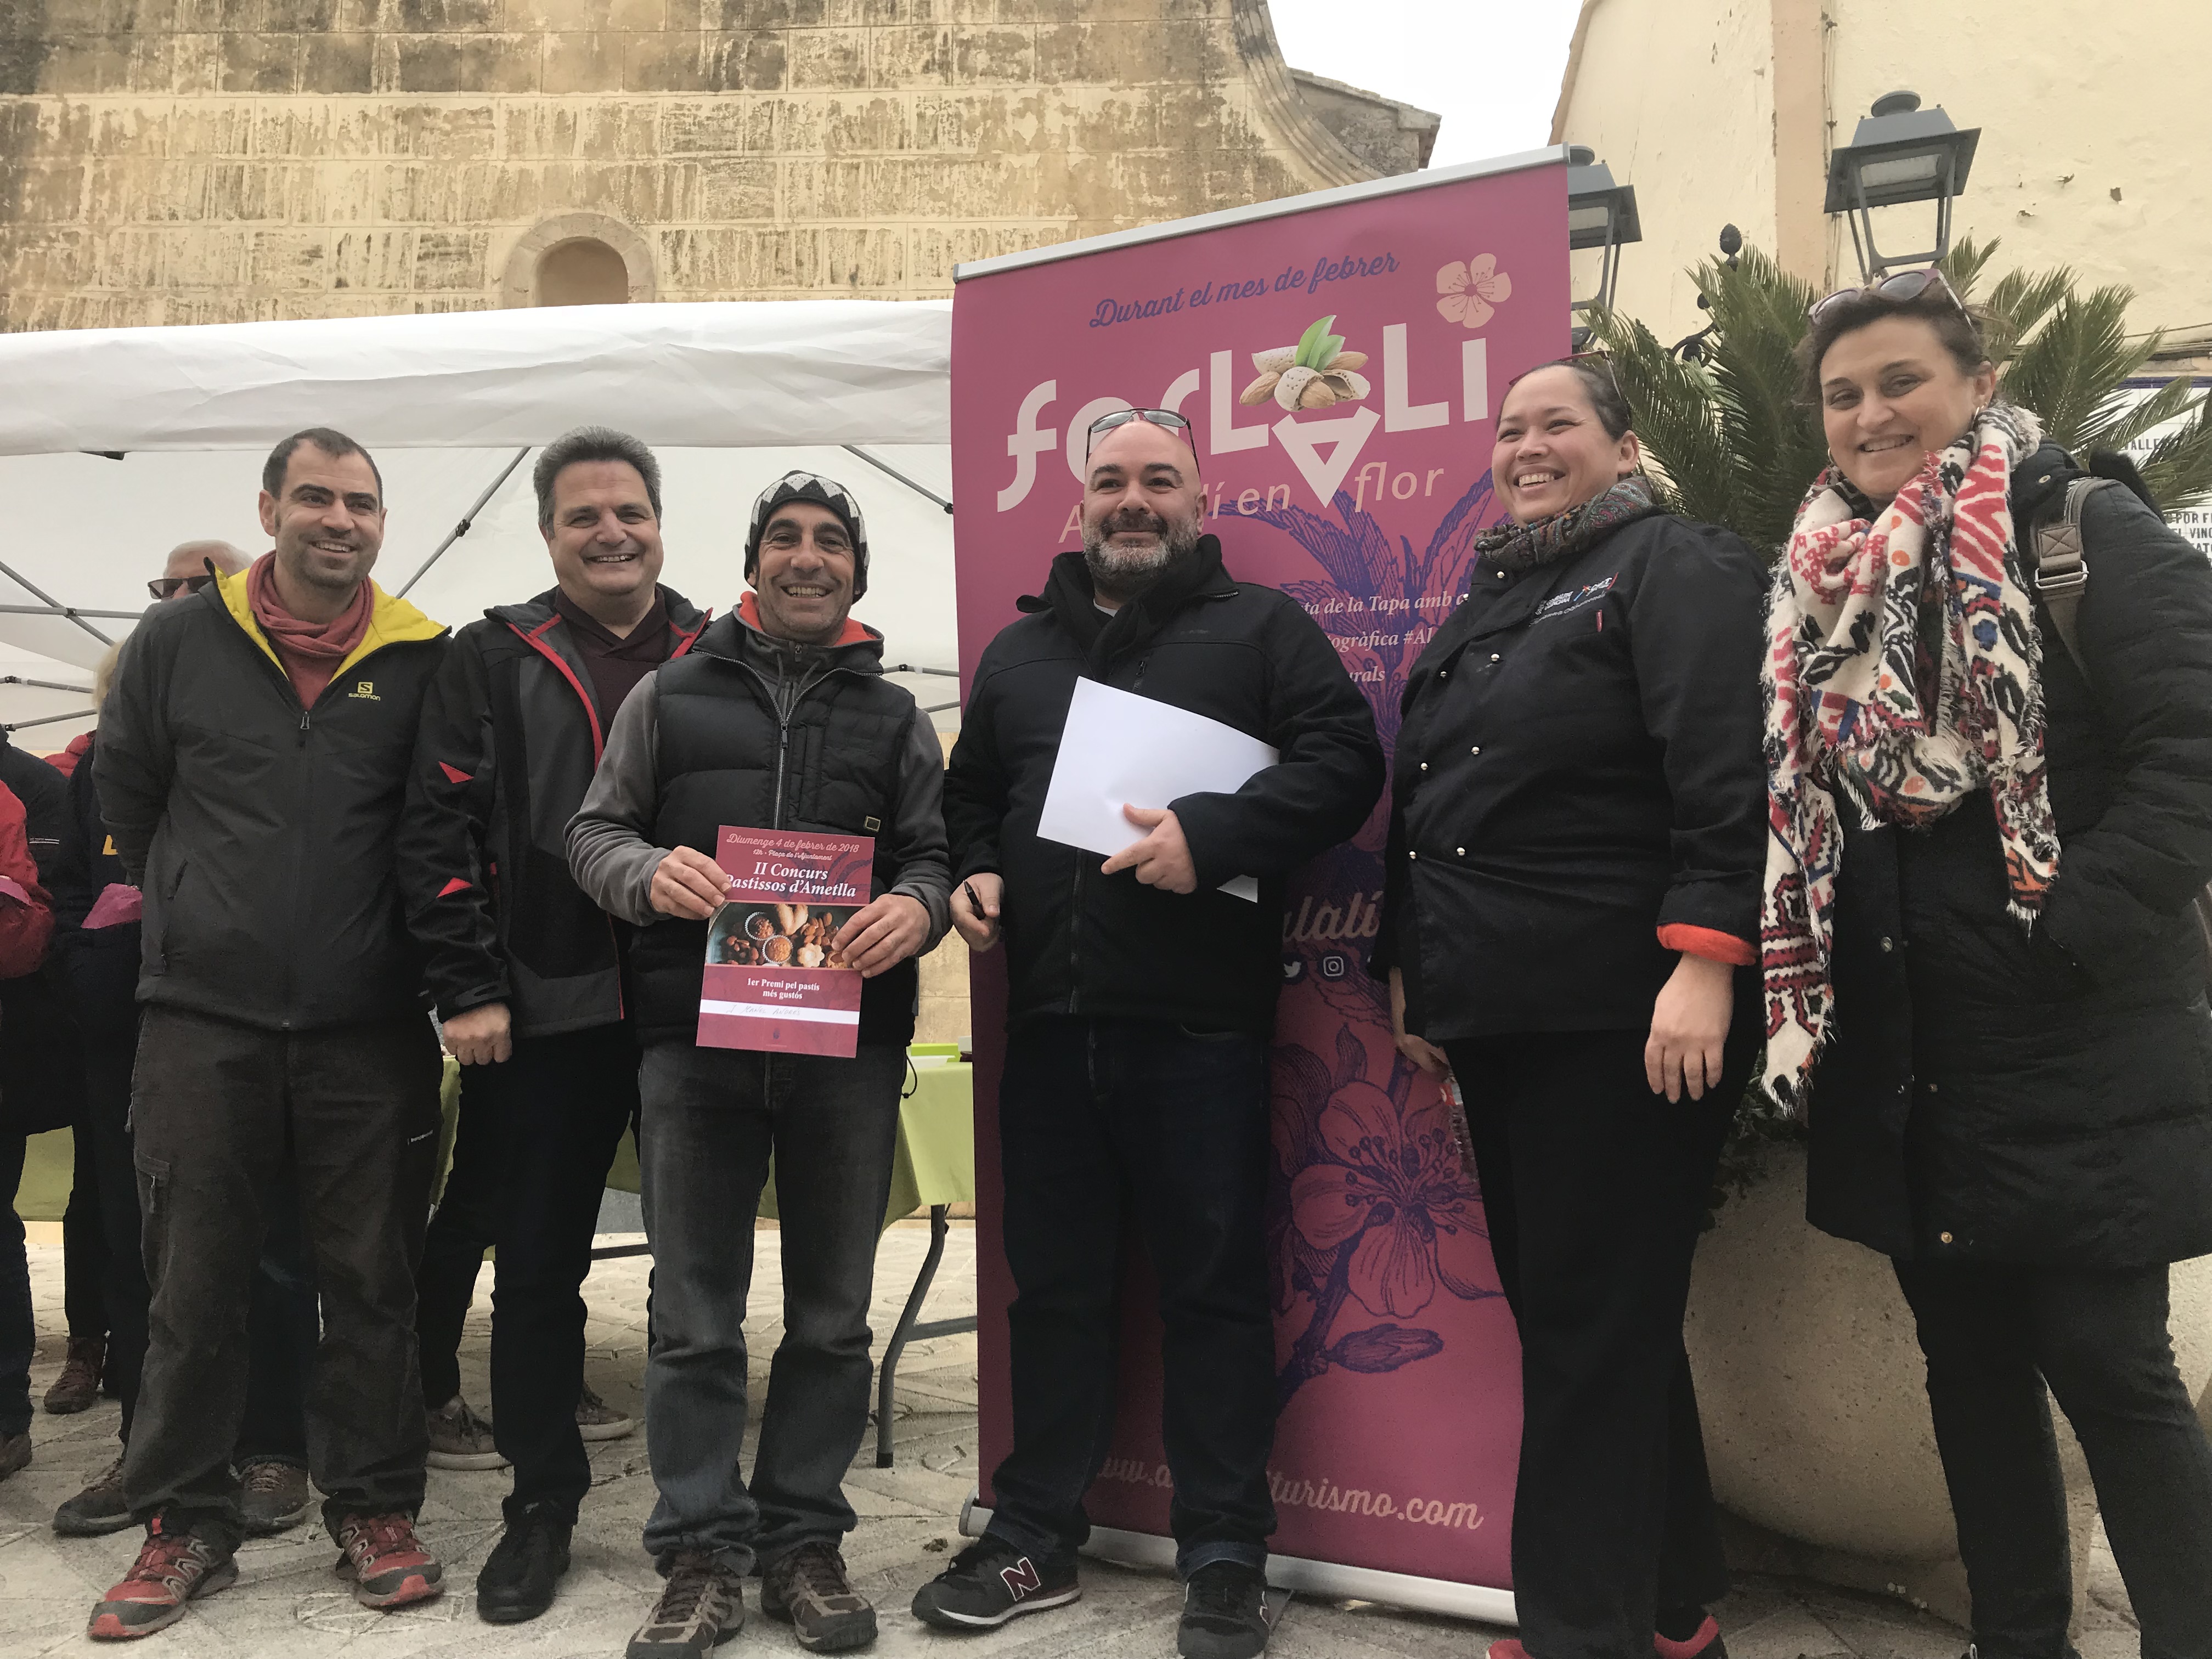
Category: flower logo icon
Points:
column 1473, row 290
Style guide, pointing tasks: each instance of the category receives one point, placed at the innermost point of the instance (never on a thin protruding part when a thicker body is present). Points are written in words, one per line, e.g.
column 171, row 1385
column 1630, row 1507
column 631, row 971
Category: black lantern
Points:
column 1601, row 213
column 1900, row 152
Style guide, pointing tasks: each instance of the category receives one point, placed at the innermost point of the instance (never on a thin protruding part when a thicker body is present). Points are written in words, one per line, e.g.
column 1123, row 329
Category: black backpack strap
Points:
column 2058, row 572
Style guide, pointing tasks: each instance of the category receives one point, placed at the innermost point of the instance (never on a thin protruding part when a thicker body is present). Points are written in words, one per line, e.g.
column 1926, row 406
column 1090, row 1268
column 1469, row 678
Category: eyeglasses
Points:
column 1165, row 418
column 168, row 587
column 1906, row 285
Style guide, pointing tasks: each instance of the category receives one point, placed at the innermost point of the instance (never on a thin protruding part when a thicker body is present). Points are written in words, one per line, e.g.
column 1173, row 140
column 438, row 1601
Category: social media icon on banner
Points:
column 1333, row 966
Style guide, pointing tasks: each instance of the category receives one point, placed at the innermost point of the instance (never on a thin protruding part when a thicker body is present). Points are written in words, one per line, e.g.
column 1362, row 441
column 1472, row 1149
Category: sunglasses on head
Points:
column 168, row 587
column 1167, row 419
column 1905, row 286
column 1605, row 358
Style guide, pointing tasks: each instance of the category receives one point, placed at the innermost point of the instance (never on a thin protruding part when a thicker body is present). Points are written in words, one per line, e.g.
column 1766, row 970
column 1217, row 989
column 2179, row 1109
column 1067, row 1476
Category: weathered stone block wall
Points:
column 202, row 161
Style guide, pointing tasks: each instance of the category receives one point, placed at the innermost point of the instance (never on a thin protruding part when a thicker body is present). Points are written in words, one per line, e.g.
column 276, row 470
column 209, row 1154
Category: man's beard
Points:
column 1121, row 573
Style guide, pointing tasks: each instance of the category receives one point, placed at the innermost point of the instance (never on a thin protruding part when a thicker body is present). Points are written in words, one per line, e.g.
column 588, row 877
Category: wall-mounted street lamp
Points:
column 1601, row 213
column 1900, row 152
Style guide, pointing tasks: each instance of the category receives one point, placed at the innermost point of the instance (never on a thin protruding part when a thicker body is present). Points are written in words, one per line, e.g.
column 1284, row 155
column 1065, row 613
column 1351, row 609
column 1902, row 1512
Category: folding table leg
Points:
column 887, row 1374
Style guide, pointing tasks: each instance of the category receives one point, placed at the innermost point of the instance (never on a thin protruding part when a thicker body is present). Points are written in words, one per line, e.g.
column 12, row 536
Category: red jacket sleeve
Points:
column 27, row 917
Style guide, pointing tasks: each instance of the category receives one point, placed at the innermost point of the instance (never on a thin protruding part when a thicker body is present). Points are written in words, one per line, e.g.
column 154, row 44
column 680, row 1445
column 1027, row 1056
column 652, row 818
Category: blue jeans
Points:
column 711, row 1119
column 1103, row 1124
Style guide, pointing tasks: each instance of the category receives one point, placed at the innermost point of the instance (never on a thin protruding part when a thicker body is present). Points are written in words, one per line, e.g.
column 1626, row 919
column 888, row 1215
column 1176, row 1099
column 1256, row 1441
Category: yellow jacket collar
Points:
column 391, row 621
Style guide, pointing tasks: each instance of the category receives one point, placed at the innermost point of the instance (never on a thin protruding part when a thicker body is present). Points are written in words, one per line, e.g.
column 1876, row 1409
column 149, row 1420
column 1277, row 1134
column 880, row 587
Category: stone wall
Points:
column 205, row 161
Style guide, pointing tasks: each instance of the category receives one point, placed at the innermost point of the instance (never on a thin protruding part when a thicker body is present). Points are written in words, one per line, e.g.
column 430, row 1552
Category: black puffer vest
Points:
column 725, row 757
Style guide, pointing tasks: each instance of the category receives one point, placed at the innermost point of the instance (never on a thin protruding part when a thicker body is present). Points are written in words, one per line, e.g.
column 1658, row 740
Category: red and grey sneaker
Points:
column 387, row 1562
column 171, row 1568
column 990, row 1582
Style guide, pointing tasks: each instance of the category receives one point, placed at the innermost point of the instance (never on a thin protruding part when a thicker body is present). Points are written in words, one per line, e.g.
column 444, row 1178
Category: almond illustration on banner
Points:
column 1472, row 290
column 1314, row 373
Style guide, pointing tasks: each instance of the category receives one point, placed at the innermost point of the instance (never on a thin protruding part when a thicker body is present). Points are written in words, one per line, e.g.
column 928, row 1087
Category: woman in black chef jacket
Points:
column 1578, row 838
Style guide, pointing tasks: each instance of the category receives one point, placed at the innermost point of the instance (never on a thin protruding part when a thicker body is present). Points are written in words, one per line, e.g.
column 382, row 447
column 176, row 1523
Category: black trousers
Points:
column 537, row 1134
column 283, row 1324
column 1994, row 1335
column 222, row 1112
column 103, row 1140
column 84, row 1241
column 1596, row 1190
column 19, row 1334
column 1104, row 1124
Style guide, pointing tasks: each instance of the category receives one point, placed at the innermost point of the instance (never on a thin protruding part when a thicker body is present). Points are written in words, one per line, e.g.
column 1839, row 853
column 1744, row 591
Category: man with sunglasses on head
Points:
column 1140, row 1001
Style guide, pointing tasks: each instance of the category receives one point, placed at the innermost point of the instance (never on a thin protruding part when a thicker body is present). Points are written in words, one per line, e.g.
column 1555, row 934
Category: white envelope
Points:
column 1121, row 748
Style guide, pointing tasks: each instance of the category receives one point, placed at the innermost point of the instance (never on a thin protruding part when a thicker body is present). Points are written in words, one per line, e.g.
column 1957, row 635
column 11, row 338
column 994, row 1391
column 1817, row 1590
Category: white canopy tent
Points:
column 116, row 444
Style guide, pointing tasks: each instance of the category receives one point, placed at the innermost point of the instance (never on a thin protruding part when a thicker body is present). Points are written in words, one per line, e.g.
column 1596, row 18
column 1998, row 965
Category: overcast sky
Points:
column 1491, row 69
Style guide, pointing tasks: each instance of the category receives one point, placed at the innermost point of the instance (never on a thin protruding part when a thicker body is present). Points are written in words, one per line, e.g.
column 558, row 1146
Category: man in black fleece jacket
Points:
column 1141, row 999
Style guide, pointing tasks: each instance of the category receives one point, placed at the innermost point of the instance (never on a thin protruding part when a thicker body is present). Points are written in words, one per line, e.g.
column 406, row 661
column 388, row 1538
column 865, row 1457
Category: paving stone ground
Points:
column 288, row 1603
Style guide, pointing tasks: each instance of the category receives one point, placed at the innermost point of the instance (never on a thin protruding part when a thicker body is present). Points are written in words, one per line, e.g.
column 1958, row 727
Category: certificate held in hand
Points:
column 772, row 978
column 1120, row 750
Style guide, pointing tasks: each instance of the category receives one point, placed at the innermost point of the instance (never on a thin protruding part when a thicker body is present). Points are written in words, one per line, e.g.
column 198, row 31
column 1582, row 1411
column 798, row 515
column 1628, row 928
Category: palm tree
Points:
column 1733, row 445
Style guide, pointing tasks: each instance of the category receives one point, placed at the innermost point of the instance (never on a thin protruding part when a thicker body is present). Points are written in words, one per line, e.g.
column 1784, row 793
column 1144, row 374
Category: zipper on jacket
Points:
column 782, row 754
column 782, row 723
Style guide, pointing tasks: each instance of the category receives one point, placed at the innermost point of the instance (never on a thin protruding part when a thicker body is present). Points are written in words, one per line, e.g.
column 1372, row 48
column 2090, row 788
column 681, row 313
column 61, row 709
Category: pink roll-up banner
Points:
column 1392, row 316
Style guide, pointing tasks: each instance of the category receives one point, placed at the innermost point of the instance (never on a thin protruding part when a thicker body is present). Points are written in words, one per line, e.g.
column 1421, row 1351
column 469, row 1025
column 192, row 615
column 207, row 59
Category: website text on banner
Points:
column 1339, row 366
column 772, row 980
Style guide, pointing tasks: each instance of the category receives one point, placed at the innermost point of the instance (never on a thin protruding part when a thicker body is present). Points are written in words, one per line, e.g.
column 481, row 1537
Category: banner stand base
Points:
column 1324, row 1579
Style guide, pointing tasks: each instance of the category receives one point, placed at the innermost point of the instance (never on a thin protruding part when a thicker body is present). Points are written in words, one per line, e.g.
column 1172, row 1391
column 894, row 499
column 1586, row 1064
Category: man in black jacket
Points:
column 778, row 717
column 527, row 975
column 252, row 766
column 1140, row 999
column 96, row 949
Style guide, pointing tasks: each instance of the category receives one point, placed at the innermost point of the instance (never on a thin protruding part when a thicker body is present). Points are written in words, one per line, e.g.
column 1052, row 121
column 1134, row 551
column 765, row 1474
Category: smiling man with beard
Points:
column 1140, row 1001
column 779, row 718
column 527, row 975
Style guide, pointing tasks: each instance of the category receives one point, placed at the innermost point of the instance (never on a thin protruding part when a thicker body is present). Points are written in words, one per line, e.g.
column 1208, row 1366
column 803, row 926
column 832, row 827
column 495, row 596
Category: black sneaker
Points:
column 98, row 1509
column 701, row 1606
column 1224, row 1613
column 991, row 1582
column 517, row 1579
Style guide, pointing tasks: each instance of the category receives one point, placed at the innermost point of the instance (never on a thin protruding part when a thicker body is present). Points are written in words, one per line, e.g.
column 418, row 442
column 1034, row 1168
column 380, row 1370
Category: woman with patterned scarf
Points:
column 1570, row 915
column 1984, row 982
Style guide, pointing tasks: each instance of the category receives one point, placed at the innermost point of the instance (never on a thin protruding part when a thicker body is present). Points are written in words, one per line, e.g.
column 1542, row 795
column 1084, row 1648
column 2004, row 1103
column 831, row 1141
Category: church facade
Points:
column 224, row 161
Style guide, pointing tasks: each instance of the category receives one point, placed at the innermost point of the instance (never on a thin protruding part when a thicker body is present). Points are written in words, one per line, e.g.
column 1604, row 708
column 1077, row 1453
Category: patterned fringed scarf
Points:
column 1903, row 683
column 1518, row 547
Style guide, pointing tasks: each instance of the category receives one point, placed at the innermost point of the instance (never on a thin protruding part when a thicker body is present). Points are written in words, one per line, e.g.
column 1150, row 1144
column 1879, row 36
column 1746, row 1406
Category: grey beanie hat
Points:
column 823, row 492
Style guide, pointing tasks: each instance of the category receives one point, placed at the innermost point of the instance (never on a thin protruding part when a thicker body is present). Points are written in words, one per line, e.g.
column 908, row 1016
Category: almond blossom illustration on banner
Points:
column 1383, row 1210
column 1473, row 290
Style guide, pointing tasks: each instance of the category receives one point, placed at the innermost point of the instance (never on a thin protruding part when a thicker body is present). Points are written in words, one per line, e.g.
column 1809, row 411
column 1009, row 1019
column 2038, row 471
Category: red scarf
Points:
column 311, row 652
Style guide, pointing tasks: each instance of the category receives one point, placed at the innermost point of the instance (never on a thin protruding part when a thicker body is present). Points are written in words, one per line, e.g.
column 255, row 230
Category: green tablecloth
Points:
column 935, row 1161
